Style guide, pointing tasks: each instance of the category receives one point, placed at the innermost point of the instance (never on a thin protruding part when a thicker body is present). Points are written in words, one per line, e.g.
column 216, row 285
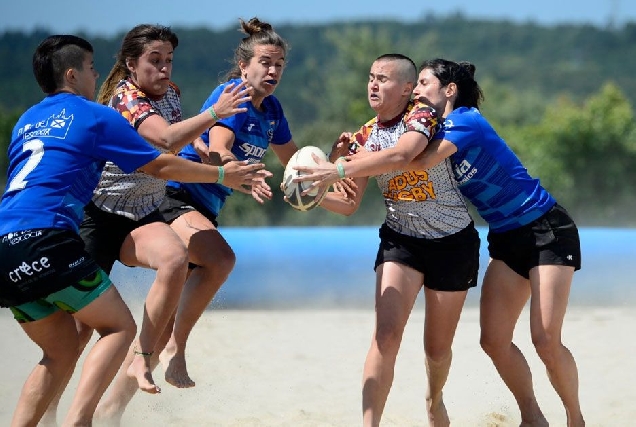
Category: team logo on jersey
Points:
column 464, row 171
column 252, row 151
column 411, row 186
column 56, row 126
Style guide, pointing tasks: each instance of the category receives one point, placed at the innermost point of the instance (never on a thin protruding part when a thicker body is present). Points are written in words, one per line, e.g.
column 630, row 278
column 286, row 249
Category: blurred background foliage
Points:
column 562, row 97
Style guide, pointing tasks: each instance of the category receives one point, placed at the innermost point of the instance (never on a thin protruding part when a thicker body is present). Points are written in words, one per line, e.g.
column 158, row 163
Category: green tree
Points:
column 585, row 154
column 7, row 122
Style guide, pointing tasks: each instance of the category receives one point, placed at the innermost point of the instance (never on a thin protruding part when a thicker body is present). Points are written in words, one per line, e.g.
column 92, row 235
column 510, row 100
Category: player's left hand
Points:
column 261, row 191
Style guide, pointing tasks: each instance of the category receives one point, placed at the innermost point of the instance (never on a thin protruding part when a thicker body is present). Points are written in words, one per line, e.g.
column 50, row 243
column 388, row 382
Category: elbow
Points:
column 399, row 161
column 349, row 209
column 165, row 144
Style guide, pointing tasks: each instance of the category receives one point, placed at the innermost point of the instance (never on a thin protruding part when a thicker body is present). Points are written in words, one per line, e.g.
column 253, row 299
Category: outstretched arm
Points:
column 436, row 152
column 173, row 137
column 324, row 173
column 235, row 174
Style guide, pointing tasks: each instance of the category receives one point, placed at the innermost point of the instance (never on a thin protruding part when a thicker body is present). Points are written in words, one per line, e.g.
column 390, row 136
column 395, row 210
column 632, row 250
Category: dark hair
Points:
column 132, row 46
column 469, row 93
column 258, row 33
column 56, row 54
column 408, row 70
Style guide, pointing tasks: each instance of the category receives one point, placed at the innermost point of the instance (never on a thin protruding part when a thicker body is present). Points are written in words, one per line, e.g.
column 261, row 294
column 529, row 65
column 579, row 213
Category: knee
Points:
column 221, row 261
column 66, row 350
column 546, row 347
column 436, row 353
column 388, row 338
column 489, row 345
column 175, row 259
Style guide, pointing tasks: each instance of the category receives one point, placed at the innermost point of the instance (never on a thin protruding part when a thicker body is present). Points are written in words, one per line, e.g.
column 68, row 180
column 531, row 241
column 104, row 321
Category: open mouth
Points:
column 272, row 82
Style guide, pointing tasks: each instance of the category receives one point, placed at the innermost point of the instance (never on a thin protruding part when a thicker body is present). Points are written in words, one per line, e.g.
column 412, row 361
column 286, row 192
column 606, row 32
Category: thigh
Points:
column 55, row 334
column 397, row 287
column 504, row 294
column 205, row 243
column 550, row 293
column 150, row 244
column 107, row 313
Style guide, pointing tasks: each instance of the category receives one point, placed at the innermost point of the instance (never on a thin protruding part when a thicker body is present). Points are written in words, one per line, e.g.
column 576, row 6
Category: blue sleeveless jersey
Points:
column 57, row 151
column 253, row 130
column 490, row 175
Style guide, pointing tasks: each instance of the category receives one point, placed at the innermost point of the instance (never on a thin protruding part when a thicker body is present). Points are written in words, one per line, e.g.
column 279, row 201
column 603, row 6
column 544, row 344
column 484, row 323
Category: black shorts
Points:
column 552, row 239
column 448, row 263
column 178, row 202
column 37, row 263
column 103, row 233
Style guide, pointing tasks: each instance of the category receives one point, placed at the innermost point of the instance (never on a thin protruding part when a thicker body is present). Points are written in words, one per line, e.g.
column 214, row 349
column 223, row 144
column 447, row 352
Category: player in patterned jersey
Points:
column 533, row 243
column 428, row 238
column 57, row 151
column 191, row 212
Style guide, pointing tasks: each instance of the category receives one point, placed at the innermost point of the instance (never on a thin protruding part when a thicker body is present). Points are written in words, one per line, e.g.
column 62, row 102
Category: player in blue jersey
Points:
column 56, row 154
column 533, row 243
column 192, row 211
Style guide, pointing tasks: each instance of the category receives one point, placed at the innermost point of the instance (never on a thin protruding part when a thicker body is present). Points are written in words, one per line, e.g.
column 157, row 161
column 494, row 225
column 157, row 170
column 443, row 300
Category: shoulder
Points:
column 422, row 118
column 466, row 119
column 272, row 103
column 127, row 87
column 174, row 88
column 217, row 91
column 362, row 135
column 126, row 92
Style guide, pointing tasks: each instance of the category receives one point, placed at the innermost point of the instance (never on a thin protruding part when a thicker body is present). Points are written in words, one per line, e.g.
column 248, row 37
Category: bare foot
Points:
column 140, row 370
column 174, row 366
column 437, row 416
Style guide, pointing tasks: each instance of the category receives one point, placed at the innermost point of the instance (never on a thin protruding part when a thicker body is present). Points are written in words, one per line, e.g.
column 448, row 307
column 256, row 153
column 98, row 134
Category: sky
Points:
column 104, row 18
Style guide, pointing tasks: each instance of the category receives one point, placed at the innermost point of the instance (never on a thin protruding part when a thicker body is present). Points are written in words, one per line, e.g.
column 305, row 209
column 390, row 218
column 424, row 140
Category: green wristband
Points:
column 221, row 175
column 341, row 171
column 213, row 113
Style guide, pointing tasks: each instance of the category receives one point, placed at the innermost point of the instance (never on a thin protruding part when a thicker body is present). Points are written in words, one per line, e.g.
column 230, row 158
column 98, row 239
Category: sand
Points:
column 303, row 368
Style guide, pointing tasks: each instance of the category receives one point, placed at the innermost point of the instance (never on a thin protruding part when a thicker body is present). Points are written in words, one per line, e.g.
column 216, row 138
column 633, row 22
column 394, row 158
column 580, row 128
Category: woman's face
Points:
column 429, row 88
column 264, row 71
column 151, row 71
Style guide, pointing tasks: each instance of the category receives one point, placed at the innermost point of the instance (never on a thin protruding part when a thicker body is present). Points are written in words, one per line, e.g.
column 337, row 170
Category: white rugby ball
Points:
column 293, row 190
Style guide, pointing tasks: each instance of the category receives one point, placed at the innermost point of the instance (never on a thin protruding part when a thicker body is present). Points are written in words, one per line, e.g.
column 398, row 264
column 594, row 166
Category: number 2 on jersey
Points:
column 19, row 181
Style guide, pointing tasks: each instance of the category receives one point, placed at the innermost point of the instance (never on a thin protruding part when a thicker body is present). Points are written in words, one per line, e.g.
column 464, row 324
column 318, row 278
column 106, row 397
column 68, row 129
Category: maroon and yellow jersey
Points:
column 424, row 203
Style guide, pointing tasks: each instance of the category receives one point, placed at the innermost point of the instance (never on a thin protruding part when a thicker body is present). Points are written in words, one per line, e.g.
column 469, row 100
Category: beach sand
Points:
column 304, row 367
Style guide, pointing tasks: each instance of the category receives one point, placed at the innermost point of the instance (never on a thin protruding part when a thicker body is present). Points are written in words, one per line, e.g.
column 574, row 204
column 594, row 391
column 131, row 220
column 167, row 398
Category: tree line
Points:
column 562, row 97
